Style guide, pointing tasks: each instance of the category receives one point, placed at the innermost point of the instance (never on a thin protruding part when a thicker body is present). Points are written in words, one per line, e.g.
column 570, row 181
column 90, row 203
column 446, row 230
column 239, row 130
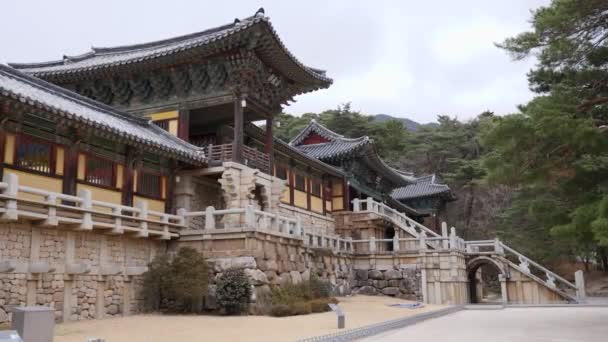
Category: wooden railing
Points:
column 83, row 212
column 251, row 156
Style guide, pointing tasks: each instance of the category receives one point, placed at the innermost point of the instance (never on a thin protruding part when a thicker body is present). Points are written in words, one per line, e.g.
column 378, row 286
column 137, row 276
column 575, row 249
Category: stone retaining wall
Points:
column 82, row 275
column 399, row 281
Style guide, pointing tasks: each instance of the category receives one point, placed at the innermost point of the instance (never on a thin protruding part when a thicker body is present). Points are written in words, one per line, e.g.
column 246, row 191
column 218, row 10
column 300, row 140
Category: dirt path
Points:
column 359, row 310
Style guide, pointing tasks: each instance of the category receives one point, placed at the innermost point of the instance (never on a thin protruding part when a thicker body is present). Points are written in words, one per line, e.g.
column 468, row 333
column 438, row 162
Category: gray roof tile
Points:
column 33, row 91
column 423, row 186
column 107, row 57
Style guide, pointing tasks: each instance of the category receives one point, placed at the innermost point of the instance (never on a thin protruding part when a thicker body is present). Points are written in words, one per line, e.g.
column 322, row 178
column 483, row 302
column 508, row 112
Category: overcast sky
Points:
column 407, row 58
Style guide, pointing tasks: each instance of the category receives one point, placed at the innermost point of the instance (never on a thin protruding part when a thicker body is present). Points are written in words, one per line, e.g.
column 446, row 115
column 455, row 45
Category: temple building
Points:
column 428, row 196
column 121, row 153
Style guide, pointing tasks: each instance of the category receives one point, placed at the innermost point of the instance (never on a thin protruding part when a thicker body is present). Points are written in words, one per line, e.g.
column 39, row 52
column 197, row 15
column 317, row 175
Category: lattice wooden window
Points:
column 316, row 188
column 33, row 154
column 99, row 171
column 149, row 184
column 300, row 182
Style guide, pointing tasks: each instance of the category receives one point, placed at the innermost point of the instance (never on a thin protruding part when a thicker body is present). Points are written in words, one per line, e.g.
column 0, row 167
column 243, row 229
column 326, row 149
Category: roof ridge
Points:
column 67, row 94
column 320, row 129
column 100, row 51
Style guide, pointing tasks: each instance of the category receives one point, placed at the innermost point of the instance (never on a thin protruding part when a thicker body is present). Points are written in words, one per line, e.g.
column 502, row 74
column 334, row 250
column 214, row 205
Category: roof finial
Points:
column 313, row 120
column 260, row 12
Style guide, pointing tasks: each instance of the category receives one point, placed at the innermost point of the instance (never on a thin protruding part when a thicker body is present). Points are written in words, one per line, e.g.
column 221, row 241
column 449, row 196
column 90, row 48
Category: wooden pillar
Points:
column 128, row 173
column 308, row 183
column 2, row 143
column 324, row 193
column 170, row 187
column 346, row 194
column 183, row 127
column 269, row 144
column 70, row 169
column 291, row 183
column 237, row 143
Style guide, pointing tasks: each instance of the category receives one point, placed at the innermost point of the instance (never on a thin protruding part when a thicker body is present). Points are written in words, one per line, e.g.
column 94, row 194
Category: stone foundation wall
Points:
column 270, row 260
column 403, row 282
column 82, row 275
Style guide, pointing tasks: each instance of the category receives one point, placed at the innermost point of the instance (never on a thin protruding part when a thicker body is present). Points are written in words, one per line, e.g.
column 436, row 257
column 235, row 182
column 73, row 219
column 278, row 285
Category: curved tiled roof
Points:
column 336, row 146
column 269, row 47
column 339, row 146
column 48, row 97
column 333, row 149
column 422, row 187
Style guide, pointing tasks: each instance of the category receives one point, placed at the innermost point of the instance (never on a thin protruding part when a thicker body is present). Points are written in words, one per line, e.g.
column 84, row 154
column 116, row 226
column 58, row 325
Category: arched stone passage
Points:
column 474, row 265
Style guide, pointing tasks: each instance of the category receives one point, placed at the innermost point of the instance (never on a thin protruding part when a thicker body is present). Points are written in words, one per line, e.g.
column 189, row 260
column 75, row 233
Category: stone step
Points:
column 484, row 307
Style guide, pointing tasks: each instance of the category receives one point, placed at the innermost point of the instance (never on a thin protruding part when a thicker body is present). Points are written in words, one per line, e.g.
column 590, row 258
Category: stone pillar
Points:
column 579, row 281
column 67, row 298
column 503, row 288
column 423, row 286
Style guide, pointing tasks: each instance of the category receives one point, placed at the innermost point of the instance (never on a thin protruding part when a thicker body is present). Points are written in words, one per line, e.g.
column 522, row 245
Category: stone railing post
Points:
column 550, row 280
column 396, row 246
column 51, row 220
column 498, row 247
column 423, row 245
column 164, row 220
column 249, row 216
column 370, row 204
column 117, row 212
column 356, row 205
column 372, row 244
column 579, row 281
column 12, row 190
column 183, row 220
column 209, row 218
column 349, row 244
column 143, row 217
column 444, row 235
column 298, row 228
column 453, row 239
column 87, row 218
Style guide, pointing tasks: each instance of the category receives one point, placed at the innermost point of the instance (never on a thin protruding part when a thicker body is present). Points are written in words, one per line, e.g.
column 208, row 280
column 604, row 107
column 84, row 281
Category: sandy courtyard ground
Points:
column 359, row 311
column 509, row 325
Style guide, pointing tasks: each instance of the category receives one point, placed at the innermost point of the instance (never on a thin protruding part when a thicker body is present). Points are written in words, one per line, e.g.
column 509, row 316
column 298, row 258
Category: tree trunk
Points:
column 469, row 210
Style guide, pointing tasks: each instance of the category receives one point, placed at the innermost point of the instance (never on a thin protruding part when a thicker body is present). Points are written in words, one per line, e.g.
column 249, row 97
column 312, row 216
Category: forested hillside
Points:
column 539, row 177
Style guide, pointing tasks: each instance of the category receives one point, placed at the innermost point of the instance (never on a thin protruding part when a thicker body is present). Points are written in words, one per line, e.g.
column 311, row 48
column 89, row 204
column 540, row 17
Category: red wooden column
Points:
column 308, row 183
column 345, row 194
column 2, row 144
column 237, row 143
column 269, row 143
column 127, row 179
column 183, row 127
column 70, row 169
column 291, row 183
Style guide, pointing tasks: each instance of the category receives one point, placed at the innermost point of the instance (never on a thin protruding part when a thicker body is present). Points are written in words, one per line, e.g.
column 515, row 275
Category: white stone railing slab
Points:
column 83, row 212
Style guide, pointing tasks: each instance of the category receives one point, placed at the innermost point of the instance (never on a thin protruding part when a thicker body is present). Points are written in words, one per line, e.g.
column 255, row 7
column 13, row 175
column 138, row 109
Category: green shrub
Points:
column 301, row 299
column 177, row 285
column 280, row 310
column 301, row 308
column 319, row 288
column 233, row 291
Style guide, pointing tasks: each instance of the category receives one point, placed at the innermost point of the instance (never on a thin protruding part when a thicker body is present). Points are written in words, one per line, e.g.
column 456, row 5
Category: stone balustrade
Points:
column 83, row 212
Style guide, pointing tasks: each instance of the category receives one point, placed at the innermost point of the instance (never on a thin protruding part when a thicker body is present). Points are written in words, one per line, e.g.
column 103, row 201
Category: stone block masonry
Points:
column 403, row 281
column 82, row 275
